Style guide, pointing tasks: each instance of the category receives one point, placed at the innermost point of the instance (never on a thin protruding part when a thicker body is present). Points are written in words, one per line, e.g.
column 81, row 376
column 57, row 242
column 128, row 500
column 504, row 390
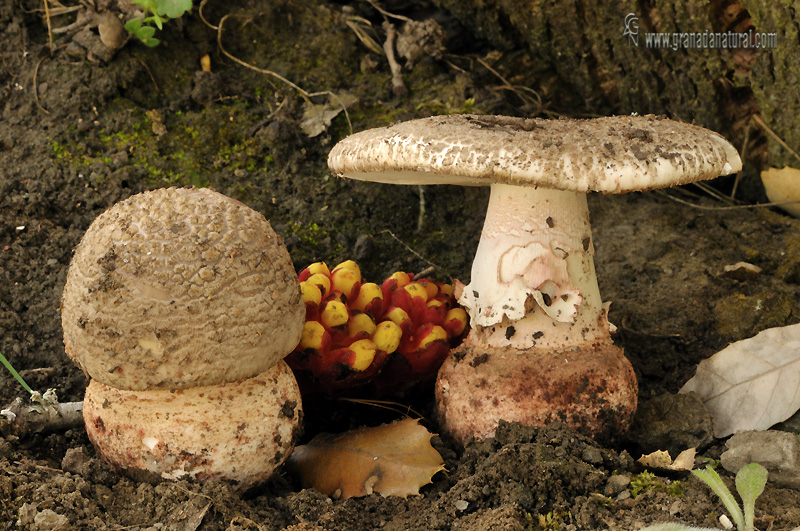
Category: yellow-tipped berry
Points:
column 446, row 290
column 435, row 303
column 350, row 265
column 344, row 280
column 360, row 323
column 364, row 351
column 437, row 333
column 311, row 292
column 322, row 281
column 387, row 336
column 319, row 267
column 401, row 277
column 415, row 289
column 456, row 321
column 334, row 314
column 313, row 335
column 368, row 293
column 433, row 289
column 397, row 315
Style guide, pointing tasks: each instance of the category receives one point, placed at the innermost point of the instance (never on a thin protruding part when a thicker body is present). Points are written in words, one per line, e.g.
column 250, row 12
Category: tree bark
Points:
column 583, row 61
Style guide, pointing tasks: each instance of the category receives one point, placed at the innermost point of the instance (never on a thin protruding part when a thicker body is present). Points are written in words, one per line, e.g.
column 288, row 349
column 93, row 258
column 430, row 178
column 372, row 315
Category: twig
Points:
column 303, row 93
column 306, row 95
column 757, row 119
column 412, row 251
column 36, row 85
column 398, row 87
column 397, row 407
column 357, row 24
column 149, row 73
column 736, row 207
column 385, row 13
column 49, row 28
column 24, row 417
column 200, row 12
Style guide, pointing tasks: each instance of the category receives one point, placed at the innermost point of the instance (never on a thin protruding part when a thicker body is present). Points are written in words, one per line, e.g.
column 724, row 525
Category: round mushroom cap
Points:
column 237, row 433
column 178, row 288
column 615, row 154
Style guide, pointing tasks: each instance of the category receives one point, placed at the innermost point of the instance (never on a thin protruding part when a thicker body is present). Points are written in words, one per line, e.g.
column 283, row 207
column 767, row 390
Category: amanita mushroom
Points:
column 180, row 304
column 540, row 348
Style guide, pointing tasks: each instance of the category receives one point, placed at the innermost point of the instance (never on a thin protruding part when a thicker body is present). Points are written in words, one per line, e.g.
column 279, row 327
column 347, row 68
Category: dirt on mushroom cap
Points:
column 613, row 154
column 179, row 288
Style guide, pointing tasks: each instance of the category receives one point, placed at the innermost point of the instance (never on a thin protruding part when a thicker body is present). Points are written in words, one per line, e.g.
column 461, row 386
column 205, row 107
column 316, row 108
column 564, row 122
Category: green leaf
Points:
column 712, row 479
column 14, row 373
column 750, row 482
column 158, row 20
column 142, row 32
column 173, row 8
column 147, row 5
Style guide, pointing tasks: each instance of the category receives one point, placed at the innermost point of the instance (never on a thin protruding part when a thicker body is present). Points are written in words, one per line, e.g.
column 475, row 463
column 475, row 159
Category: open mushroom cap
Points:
column 236, row 433
column 177, row 288
column 615, row 154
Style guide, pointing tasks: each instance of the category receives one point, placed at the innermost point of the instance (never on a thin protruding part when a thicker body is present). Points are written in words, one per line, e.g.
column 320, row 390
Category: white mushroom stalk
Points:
column 533, row 282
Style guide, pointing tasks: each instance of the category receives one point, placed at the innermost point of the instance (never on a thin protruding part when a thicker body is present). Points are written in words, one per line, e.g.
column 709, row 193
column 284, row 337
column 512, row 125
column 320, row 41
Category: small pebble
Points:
column 616, row 484
column 462, row 505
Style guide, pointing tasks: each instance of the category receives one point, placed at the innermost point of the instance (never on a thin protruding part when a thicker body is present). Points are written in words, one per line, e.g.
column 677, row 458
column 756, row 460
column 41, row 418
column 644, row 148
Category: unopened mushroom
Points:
column 181, row 304
column 539, row 349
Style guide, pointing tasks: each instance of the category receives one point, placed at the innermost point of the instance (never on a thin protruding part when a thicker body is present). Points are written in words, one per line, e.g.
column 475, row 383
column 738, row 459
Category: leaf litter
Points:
column 751, row 384
column 392, row 460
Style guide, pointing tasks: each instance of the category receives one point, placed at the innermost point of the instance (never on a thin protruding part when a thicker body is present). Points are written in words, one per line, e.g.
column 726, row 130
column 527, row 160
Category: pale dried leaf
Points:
column 661, row 460
column 783, row 187
column 393, row 460
column 657, row 459
column 685, row 460
column 751, row 384
column 318, row 117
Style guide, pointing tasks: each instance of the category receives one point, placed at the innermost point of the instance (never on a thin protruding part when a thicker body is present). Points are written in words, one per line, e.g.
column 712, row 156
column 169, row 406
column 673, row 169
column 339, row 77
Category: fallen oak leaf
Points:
column 392, row 460
column 783, row 188
column 751, row 384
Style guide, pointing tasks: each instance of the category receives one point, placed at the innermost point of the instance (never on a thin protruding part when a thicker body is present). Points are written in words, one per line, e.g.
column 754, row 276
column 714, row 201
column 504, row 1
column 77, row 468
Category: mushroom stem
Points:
column 540, row 346
column 533, row 281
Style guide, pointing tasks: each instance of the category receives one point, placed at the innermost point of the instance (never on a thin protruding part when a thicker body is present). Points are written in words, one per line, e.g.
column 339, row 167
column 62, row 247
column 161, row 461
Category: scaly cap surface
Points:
column 178, row 288
column 614, row 154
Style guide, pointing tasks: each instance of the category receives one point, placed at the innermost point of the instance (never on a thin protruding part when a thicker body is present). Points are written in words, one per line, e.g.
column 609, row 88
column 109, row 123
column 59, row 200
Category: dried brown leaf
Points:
column 660, row 460
column 783, row 188
column 393, row 460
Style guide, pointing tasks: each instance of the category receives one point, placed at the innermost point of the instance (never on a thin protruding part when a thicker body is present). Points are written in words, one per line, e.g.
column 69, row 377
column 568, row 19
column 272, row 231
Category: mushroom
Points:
column 180, row 305
column 540, row 347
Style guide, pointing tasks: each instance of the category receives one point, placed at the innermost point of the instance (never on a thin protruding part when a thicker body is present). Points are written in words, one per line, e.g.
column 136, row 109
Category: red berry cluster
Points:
column 393, row 335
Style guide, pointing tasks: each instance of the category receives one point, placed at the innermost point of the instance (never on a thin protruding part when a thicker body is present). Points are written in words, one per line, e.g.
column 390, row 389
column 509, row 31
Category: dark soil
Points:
column 80, row 133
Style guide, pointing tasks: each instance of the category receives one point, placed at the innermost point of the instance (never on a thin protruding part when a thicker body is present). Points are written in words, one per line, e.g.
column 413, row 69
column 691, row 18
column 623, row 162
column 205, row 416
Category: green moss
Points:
column 739, row 316
column 552, row 521
column 646, row 481
column 788, row 269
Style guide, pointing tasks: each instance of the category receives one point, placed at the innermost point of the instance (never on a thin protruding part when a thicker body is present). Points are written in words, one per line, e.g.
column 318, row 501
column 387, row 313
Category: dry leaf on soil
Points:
column 393, row 460
column 751, row 384
column 783, row 187
column 661, row 460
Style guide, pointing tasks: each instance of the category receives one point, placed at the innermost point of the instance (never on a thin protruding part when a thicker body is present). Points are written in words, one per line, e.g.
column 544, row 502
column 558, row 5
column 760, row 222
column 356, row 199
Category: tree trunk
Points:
column 583, row 60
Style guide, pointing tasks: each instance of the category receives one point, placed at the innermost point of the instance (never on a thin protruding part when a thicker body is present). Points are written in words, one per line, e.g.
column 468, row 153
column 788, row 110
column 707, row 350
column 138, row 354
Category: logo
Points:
column 631, row 29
